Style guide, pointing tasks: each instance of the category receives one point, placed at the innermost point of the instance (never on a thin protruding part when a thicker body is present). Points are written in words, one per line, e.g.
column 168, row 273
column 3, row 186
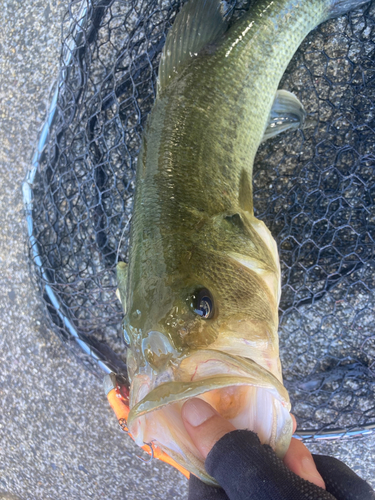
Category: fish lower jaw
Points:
column 261, row 407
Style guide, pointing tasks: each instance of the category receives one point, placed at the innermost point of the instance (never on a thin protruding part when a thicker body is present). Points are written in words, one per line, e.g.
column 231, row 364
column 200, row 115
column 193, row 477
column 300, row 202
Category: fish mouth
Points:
column 239, row 389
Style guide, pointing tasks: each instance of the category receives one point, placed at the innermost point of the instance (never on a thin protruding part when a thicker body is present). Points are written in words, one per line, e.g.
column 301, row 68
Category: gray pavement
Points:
column 58, row 436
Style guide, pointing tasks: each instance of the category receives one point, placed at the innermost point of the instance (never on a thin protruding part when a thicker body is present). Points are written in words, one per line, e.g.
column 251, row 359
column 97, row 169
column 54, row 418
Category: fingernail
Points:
column 195, row 412
column 310, row 473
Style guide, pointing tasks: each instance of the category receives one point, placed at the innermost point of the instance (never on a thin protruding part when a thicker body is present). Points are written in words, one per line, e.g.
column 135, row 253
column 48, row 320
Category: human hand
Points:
column 205, row 427
column 245, row 468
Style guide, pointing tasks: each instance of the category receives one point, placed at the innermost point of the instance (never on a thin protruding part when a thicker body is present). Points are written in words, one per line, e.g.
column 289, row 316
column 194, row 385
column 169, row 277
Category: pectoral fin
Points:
column 122, row 278
column 245, row 195
column 287, row 113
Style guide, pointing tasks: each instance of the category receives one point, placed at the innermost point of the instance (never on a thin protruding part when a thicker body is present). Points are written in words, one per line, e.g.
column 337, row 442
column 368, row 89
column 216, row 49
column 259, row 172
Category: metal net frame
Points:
column 314, row 189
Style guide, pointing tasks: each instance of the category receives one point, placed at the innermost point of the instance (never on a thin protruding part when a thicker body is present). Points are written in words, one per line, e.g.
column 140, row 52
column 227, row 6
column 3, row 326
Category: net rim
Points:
column 76, row 33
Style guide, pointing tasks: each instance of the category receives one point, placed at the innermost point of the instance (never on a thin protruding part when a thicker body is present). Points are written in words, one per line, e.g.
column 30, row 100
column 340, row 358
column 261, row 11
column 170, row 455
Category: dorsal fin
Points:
column 122, row 282
column 199, row 23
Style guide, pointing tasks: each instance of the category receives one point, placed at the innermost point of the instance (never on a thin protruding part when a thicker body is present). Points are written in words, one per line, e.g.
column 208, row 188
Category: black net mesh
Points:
column 315, row 190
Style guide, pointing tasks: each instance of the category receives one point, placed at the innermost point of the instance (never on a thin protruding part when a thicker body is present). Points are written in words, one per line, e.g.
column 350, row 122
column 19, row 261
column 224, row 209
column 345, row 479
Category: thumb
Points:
column 300, row 461
column 204, row 425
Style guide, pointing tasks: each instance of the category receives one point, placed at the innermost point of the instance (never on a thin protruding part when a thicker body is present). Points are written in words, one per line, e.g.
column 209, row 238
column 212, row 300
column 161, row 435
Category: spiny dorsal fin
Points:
column 199, row 23
column 122, row 281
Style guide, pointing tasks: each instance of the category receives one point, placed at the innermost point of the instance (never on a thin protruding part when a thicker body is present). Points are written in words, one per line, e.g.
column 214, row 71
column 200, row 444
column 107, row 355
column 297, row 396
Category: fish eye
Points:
column 203, row 303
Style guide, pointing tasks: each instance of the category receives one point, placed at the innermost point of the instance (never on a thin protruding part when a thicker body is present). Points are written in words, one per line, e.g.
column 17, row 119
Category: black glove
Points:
column 248, row 470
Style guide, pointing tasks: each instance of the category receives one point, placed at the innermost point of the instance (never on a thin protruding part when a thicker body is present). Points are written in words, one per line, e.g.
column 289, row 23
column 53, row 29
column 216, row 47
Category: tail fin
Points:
column 338, row 7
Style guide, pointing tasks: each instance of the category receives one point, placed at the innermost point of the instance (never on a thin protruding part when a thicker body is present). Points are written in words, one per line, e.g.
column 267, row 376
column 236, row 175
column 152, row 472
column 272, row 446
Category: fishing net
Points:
column 314, row 189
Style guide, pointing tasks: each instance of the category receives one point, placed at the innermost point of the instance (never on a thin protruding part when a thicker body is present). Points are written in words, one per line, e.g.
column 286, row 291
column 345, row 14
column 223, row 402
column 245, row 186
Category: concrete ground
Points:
column 58, row 436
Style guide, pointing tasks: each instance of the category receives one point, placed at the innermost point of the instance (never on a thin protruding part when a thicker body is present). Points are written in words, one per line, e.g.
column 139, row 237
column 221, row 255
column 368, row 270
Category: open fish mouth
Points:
column 239, row 389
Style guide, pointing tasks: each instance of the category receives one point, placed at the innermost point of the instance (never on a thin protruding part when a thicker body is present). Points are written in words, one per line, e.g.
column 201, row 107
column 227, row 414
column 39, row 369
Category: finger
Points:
column 300, row 461
column 294, row 423
column 204, row 425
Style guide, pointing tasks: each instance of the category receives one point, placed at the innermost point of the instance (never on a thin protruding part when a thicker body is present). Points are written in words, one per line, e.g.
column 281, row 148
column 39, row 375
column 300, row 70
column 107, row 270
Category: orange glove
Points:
column 117, row 392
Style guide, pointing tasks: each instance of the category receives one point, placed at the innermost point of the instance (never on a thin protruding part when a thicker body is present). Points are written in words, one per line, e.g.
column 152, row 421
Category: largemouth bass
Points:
column 202, row 287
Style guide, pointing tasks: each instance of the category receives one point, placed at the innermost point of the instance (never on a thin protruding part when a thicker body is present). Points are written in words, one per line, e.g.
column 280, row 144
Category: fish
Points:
column 201, row 288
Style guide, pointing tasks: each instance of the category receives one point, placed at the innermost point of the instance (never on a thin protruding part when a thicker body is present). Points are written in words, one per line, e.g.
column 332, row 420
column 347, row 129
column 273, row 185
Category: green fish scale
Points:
column 204, row 130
